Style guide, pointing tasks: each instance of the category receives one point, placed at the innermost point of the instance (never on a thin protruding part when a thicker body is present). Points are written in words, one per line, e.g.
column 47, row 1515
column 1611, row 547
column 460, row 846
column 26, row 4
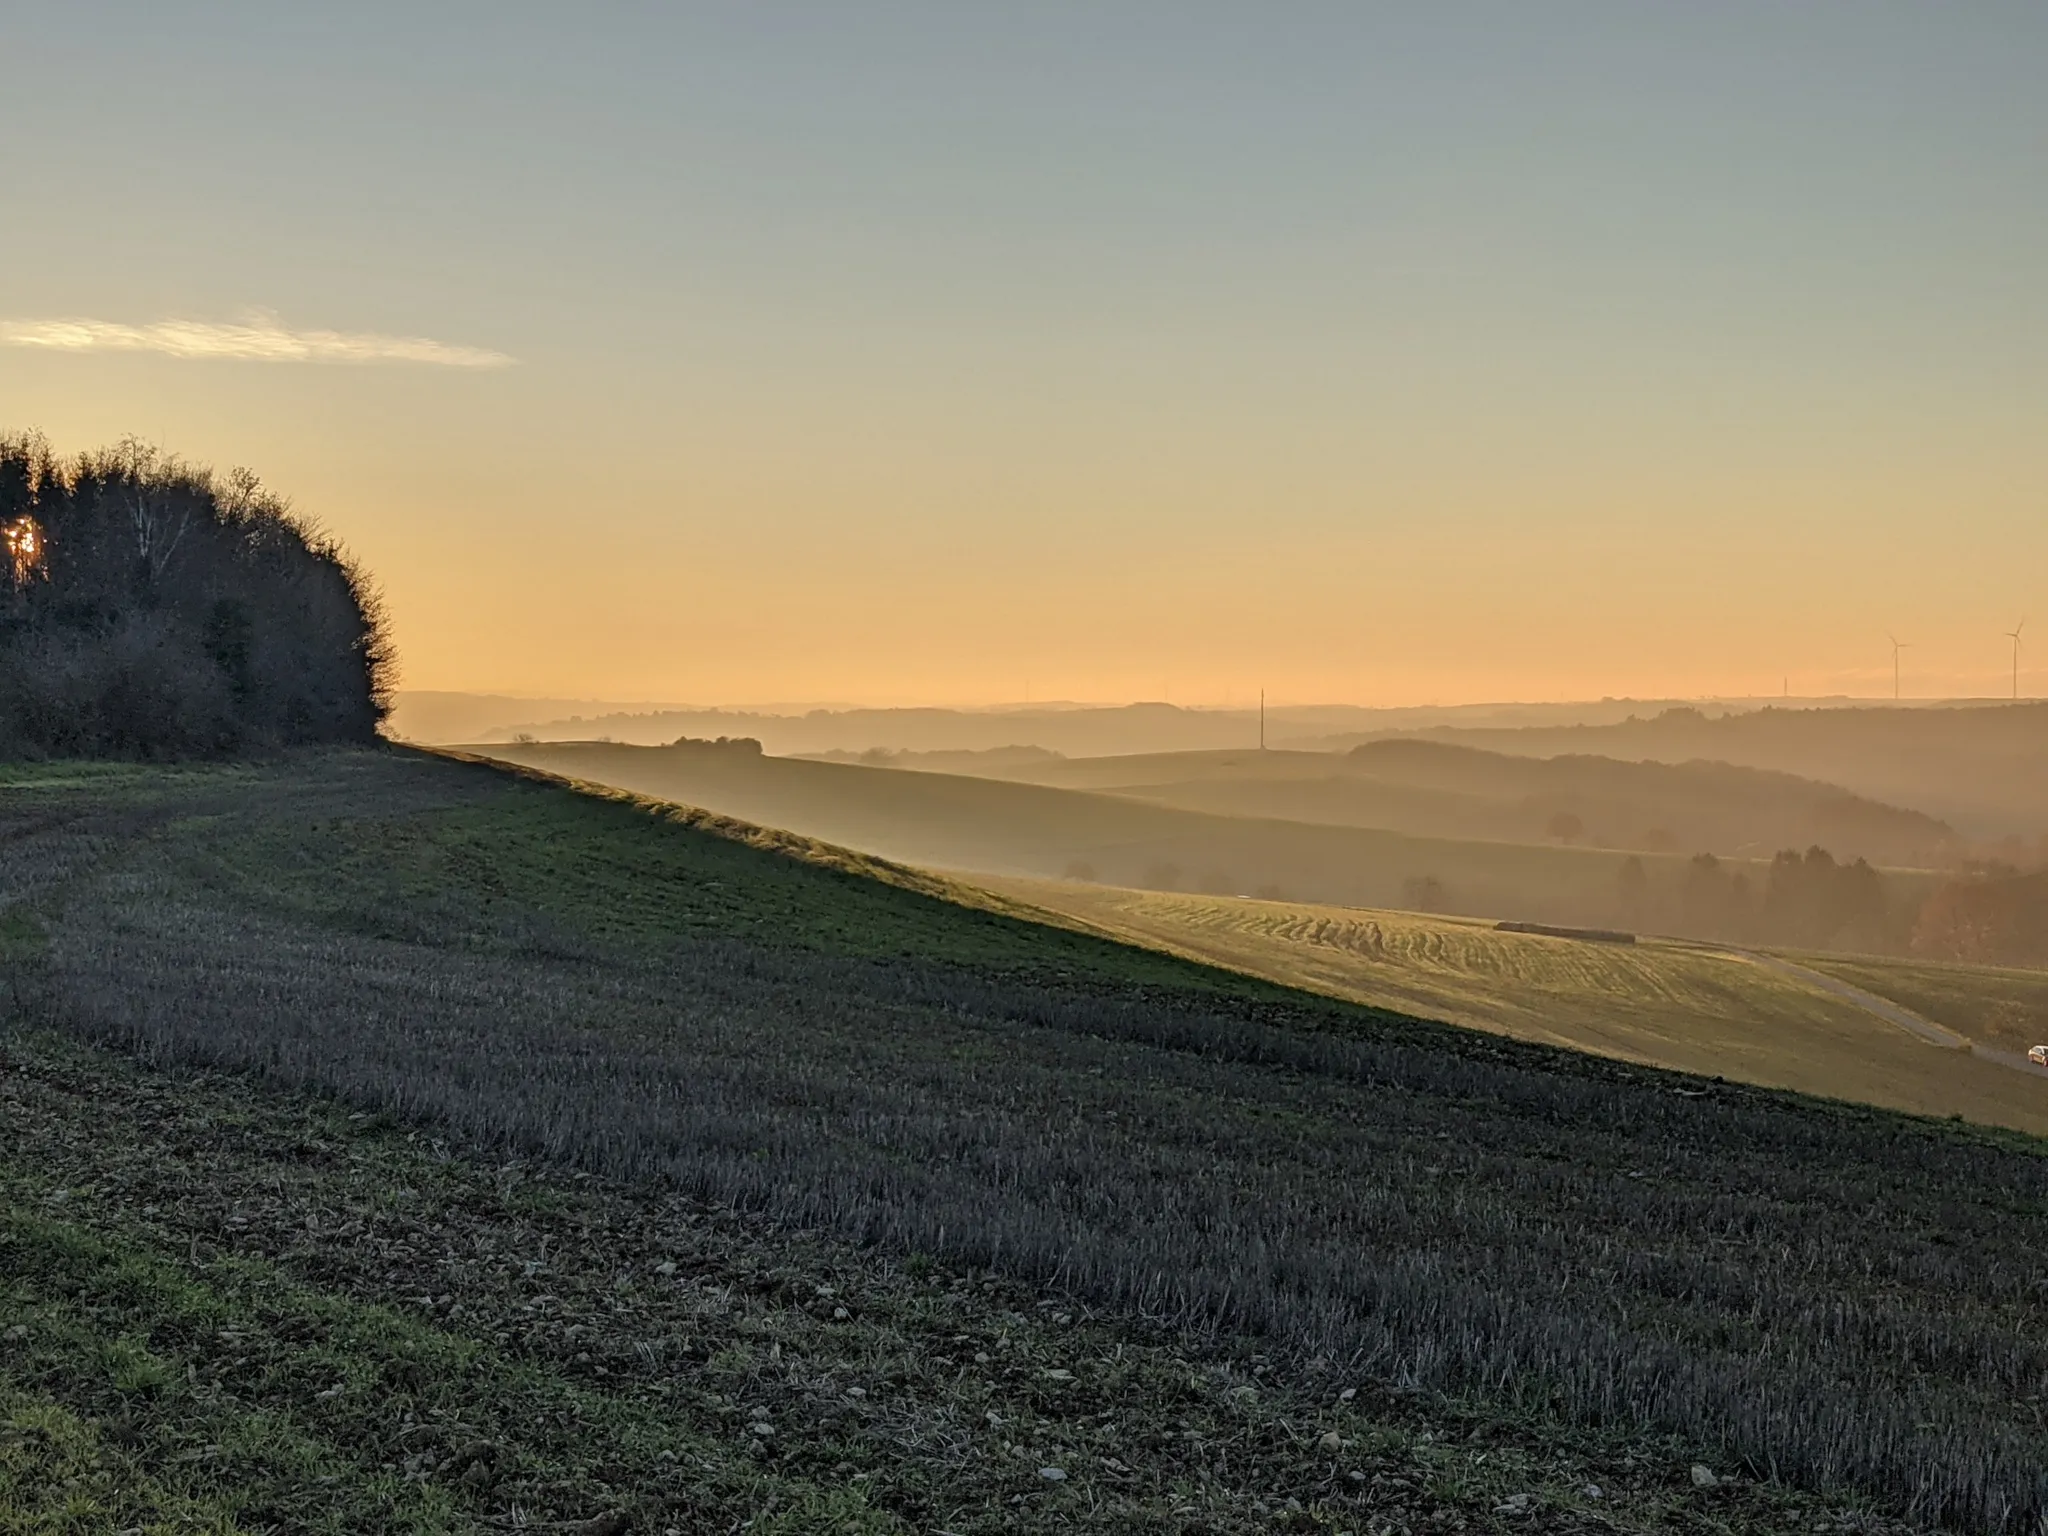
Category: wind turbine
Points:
column 1898, row 645
column 2013, row 635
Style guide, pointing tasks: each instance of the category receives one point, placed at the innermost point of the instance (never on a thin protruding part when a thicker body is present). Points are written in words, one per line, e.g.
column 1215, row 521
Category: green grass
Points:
column 506, row 860
column 22, row 938
column 60, row 1475
column 1662, row 1002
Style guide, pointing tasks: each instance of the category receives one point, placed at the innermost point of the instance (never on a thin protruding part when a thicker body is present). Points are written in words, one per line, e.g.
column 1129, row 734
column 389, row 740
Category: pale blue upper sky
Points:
column 1379, row 352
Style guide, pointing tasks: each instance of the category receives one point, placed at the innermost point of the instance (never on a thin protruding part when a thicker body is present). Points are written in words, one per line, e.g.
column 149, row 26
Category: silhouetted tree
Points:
column 1424, row 893
column 169, row 612
column 1811, row 899
column 1566, row 826
column 1713, row 901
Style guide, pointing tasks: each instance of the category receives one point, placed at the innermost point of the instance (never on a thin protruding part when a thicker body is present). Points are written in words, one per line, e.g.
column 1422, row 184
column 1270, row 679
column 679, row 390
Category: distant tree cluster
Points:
column 150, row 609
column 747, row 746
column 1992, row 914
column 1425, row 893
column 1998, row 918
column 1566, row 826
column 1808, row 899
column 1716, row 900
column 1811, row 899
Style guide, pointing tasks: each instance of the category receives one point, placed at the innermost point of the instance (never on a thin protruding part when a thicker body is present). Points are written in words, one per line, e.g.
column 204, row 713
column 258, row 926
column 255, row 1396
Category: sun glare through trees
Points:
column 24, row 540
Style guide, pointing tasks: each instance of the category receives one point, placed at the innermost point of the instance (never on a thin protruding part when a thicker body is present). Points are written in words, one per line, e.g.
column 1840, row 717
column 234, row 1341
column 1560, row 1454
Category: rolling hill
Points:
column 1435, row 789
column 557, row 1159
column 1983, row 768
column 1668, row 1003
column 997, row 827
column 1092, row 729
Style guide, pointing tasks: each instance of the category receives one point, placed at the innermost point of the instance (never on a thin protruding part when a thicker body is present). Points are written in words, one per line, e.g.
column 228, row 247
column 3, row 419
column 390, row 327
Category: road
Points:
column 1934, row 1034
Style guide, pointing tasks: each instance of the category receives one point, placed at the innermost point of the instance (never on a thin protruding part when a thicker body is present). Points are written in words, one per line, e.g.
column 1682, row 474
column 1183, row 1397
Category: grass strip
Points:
column 60, row 1475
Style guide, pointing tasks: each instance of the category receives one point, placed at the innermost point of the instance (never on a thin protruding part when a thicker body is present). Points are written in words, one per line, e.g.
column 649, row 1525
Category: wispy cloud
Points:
column 260, row 339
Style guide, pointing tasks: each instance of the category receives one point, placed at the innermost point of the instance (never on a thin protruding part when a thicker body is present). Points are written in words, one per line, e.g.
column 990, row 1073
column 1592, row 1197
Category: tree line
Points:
column 1994, row 915
column 1808, row 899
column 152, row 609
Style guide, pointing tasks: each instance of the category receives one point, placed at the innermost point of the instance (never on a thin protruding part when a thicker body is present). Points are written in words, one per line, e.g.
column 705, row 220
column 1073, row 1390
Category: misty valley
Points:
column 1700, row 849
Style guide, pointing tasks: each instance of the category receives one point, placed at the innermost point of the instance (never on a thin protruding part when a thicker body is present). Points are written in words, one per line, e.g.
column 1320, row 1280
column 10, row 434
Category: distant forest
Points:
column 1996, row 918
column 150, row 609
column 1993, row 915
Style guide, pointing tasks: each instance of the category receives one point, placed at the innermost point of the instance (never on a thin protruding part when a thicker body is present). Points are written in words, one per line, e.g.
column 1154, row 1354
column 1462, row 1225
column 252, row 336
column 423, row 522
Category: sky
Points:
column 963, row 353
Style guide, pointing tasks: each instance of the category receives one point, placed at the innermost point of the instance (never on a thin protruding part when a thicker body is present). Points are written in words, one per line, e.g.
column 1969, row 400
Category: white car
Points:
column 2039, row 1055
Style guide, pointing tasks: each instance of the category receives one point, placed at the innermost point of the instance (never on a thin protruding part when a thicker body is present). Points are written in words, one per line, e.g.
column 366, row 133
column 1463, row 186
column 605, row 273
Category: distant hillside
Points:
column 992, row 826
column 432, row 714
column 1695, row 806
column 989, row 762
column 1982, row 768
column 1075, row 729
column 1436, row 789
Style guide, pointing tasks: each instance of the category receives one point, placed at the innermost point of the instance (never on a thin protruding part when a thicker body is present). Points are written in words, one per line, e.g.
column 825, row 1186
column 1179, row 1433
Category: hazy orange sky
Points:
column 934, row 353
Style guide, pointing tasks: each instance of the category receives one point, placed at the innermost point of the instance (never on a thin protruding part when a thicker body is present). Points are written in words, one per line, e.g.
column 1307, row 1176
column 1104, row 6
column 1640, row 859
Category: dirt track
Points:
column 1925, row 1029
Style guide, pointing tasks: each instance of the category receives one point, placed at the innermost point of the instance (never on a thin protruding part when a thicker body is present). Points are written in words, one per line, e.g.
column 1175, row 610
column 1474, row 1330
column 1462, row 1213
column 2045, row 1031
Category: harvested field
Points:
column 694, row 1013
column 1667, row 1003
column 239, row 1309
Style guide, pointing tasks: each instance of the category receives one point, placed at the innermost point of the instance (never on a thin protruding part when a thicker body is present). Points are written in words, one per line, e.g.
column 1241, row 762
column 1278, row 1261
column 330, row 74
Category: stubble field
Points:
column 498, row 1052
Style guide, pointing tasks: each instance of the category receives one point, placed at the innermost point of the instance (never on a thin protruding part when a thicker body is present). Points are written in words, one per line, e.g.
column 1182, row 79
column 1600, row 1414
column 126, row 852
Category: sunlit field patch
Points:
column 1671, row 1003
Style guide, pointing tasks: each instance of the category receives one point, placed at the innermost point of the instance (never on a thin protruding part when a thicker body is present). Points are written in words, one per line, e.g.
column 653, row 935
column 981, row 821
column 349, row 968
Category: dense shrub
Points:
column 151, row 609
